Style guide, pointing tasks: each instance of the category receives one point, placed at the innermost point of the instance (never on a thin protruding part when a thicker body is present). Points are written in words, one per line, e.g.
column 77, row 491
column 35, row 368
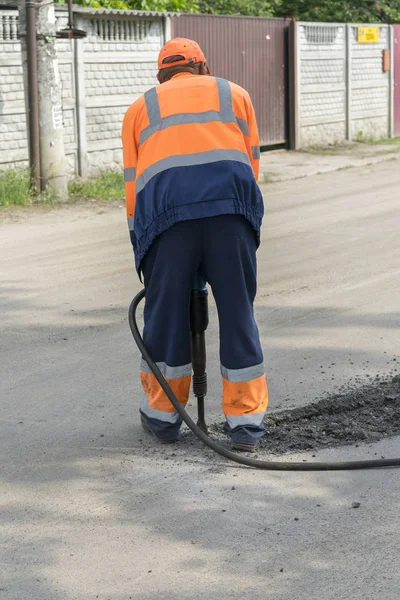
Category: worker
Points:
column 191, row 161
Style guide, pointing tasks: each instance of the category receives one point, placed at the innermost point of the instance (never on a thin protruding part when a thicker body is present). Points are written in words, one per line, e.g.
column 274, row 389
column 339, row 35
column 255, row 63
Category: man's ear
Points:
column 204, row 69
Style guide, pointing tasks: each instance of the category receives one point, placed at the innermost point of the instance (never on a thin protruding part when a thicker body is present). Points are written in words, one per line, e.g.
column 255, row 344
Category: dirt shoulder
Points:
column 284, row 165
column 15, row 214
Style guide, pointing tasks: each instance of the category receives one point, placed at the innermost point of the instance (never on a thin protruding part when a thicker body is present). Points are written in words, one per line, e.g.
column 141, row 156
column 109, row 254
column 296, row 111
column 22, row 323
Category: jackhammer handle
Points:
column 198, row 326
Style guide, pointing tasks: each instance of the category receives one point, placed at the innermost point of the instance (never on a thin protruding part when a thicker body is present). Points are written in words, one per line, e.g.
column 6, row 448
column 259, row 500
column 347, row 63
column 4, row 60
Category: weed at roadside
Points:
column 15, row 188
column 109, row 185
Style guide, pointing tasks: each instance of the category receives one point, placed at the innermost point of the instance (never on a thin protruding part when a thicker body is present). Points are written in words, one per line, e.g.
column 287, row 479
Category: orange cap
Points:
column 189, row 49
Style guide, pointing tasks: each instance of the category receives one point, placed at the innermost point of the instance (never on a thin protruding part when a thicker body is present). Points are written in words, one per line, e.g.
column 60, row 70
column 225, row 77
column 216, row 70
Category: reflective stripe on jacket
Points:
column 191, row 150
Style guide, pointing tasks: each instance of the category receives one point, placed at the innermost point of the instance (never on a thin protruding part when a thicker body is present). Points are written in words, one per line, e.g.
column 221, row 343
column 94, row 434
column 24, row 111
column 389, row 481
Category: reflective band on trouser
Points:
column 245, row 396
column 156, row 404
column 224, row 115
column 189, row 160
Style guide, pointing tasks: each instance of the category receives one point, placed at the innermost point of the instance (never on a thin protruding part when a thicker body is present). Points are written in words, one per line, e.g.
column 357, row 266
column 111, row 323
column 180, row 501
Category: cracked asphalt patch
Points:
column 354, row 415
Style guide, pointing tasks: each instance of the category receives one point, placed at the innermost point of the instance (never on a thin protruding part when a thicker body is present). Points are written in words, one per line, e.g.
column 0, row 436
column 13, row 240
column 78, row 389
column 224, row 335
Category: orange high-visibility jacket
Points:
column 191, row 150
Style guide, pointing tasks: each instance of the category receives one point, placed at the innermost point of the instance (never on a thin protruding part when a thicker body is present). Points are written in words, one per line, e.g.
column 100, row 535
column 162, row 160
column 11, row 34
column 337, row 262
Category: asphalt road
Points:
column 91, row 508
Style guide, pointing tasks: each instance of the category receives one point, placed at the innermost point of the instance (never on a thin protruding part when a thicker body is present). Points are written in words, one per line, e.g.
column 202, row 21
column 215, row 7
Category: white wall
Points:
column 343, row 91
column 369, row 87
column 13, row 138
column 116, row 72
column 322, row 83
column 101, row 76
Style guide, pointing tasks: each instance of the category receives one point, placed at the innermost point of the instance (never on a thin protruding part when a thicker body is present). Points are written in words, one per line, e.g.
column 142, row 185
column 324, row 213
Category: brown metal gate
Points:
column 252, row 52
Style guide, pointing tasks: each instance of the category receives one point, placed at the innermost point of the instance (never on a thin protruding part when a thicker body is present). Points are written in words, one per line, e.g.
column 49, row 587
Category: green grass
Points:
column 109, row 185
column 15, row 188
column 331, row 150
column 346, row 147
column 378, row 142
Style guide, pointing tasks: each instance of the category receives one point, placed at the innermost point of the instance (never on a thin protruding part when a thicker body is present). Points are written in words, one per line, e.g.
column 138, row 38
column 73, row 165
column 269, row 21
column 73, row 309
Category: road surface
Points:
column 93, row 509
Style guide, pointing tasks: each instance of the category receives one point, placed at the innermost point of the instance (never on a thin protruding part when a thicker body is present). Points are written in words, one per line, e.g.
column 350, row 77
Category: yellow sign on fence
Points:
column 369, row 35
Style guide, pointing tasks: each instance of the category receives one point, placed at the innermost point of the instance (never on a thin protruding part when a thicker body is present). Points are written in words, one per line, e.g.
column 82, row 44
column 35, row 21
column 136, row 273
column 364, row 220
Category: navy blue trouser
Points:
column 223, row 250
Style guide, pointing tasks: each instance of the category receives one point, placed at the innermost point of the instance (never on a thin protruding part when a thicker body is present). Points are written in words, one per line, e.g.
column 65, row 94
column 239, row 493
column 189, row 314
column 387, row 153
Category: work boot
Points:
column 244, row 438
column 164, row 439
column 240, row 447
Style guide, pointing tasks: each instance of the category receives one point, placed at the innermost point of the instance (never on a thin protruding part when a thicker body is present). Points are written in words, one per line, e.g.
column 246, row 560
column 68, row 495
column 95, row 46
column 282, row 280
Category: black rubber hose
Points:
column 242, row 460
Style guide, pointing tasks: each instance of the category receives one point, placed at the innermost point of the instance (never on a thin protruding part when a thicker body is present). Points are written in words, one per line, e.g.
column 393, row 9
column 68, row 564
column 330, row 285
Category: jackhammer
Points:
column 198, row 326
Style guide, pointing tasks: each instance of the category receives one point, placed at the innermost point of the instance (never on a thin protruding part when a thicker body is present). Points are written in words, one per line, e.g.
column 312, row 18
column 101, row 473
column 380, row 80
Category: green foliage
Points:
column 256, row 8
column 15, row 187
column 109, row 185
column 351, row 11
column 187, row 6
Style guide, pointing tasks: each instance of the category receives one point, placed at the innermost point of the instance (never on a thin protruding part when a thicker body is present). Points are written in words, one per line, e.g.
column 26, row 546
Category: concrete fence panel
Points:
column 120, row 64
column 101, row 76
column 344, row 93
column 370, row 104
column 13, row 136
column 322, row 81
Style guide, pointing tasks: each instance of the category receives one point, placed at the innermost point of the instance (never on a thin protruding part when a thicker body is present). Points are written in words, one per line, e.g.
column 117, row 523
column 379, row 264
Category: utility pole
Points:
column 52, row 153
column 27, row 22
column 53, row 168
